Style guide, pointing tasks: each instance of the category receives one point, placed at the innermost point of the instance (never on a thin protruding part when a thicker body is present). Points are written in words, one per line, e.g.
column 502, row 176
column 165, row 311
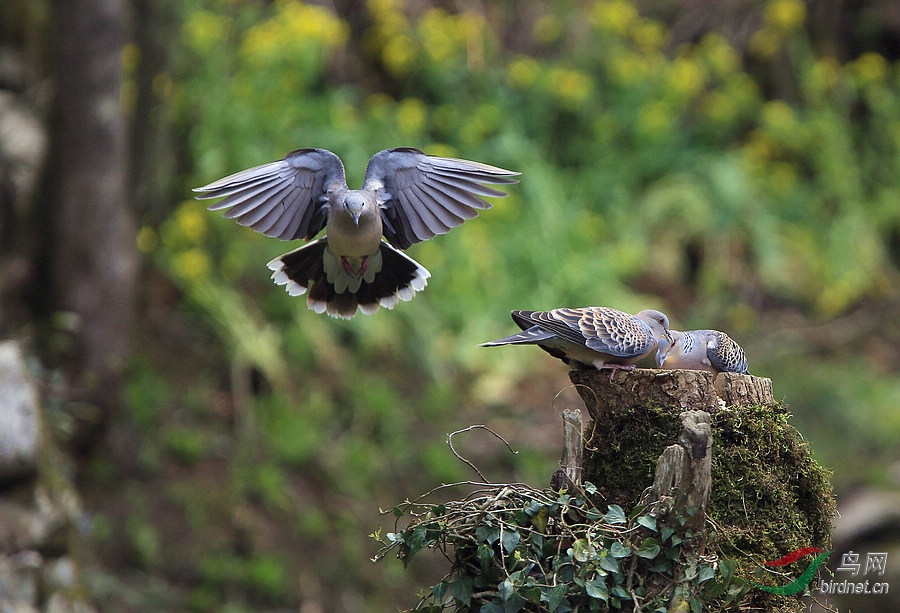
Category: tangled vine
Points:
column 515, row 548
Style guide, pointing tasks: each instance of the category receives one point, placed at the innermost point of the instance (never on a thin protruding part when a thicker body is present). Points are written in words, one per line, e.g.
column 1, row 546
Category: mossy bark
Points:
column 768, row 495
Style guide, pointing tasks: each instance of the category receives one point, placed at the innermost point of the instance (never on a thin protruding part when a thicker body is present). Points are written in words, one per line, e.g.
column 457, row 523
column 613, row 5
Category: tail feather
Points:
column 531, row 336
column 302, row 271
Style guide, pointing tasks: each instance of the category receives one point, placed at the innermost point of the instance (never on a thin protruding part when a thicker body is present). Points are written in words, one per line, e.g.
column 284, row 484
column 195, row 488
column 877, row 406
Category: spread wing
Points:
column 286, row 199
column 602, row 329
column 423, row 195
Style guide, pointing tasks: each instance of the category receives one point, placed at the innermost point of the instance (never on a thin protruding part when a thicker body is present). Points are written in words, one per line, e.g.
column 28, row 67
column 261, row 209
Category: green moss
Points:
column 768, row 497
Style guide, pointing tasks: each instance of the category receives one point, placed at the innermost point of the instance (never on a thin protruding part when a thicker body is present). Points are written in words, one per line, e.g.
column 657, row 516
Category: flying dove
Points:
column 601, row 337
column 709, row 350
column 406, row 197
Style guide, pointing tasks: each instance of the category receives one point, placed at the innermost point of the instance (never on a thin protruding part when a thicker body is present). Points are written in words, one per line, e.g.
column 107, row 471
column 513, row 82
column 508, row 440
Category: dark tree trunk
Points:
column 89, row 259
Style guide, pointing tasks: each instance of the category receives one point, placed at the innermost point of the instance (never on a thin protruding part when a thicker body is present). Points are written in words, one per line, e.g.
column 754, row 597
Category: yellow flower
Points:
column 655, row 119
column 203, row 30
column 870, row 68
column 399, row 53
column 572, row 87
column 785, row 15
column 720, row 56
column 411, row 116
column 614, row 16
column 687, row 77
column 523, row 71
column 191, row 265
column 781, row 121
column 190, row 222
column 649, row 34
column 824, row 75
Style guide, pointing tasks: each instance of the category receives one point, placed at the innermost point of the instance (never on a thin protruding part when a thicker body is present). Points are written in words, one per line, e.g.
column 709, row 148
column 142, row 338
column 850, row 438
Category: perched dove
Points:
column 709, row 350
column 406, row 196
column 592, row 336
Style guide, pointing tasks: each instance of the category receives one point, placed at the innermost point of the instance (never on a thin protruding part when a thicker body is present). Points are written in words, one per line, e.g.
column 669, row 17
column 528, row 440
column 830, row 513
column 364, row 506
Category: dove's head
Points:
column 658, row 323
column 354, row 204
column 662, row 351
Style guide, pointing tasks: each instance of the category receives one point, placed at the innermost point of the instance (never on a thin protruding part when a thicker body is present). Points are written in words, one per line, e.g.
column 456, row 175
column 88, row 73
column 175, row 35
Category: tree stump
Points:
column 698, row 446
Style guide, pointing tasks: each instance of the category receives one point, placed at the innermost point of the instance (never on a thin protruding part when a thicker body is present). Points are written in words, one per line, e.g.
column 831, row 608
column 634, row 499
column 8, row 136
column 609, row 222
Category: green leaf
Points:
column 610, row 564
column 649, row 549
column 593, row 514
column 537, row 544
column 492, row 607
column 618, row 550
column 510, row 540
column 666, row 533
column 398, row 512
column 487, row 534
column 582, row 550
column 440, row 590
column 619, row 592
column 554, row 596
column 615, row 515
column 647, row 521
column 596, row 588
column 506, row 589
column 461, row 589
column 485, row 555
column 726, row 567
column 590, row 488
column 706, row 573
column 696, row 605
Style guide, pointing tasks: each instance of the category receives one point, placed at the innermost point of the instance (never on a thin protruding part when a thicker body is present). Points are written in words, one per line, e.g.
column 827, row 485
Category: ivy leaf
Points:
column 487, row 534
column 649, row 549
column 647, row 521
column 666, row 533
column 596, row 588
column 618, row 550
column 439, row 590
column 510, row 540
column 461, row 589
column 610, row 564
column 590, row 488
column 582, row 550
column 492, row 607
column 615, row 515
column 485, row 555
column 554, row 596
column 706, row 573
column 506, row 590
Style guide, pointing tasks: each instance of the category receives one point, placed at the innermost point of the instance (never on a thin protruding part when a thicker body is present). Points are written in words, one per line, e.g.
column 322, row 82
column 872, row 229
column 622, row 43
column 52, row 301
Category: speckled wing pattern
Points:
column 601, row 329
column 709, row 350
column 724, row 353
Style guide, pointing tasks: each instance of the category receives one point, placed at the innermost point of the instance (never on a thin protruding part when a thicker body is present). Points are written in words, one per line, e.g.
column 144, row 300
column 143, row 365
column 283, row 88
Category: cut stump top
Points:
column 604, row 390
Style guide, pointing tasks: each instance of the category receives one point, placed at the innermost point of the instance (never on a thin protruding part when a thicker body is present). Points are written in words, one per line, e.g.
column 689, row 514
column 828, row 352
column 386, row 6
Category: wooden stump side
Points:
column 690, row 437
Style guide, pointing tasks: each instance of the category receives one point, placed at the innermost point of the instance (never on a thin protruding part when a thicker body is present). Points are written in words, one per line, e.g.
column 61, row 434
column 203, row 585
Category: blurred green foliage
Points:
column 654, row 174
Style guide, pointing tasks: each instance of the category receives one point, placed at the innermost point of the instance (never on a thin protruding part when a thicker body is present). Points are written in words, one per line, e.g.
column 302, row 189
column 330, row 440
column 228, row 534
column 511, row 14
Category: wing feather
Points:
column 414, row 212
column 283, row 199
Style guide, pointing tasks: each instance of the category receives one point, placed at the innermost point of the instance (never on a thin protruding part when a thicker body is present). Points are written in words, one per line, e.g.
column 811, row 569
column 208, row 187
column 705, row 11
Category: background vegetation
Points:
column 736, row 169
